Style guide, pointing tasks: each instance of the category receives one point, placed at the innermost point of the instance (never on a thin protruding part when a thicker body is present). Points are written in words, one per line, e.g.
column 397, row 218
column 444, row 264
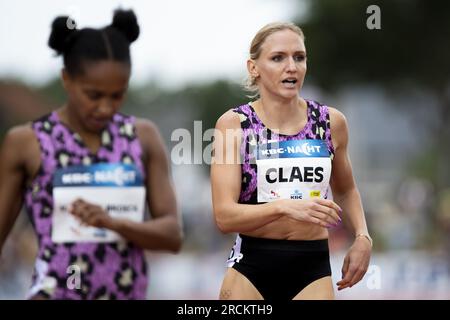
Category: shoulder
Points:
column 338, row 127
column 147, row 132
column 337, row 118
column 20, row 142
column 20, row 135
column 149, row 137
column 145, row 126
column 232, row 118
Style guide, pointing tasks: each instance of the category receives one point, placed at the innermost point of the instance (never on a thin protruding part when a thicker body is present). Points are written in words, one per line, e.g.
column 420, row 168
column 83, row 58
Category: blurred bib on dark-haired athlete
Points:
column 293, row 169
column 116, row 187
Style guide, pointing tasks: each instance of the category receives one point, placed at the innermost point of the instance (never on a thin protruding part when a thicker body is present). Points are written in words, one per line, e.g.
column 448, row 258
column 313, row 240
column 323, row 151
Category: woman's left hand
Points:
column 356, row 263
column 90, row 214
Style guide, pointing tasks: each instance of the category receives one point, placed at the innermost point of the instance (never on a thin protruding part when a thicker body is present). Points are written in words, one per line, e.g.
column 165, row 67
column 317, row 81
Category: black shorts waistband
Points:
column 282, row 244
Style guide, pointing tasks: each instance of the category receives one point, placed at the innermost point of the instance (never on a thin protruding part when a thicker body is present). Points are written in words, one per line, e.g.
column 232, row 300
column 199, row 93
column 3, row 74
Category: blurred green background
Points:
column 392, row 84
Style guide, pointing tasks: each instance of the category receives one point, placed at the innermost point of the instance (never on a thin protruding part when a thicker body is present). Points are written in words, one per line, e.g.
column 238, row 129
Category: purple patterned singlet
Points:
column 108, row 270
column 255, row 132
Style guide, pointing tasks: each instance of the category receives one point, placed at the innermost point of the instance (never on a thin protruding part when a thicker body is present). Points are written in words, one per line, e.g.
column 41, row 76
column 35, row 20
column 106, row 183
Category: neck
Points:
column 90, row 139
column 68, row 119
column 71, row 121
column 279, row 112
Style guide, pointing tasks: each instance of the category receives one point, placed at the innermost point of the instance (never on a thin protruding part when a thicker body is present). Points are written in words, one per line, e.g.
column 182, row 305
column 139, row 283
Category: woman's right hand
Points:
column 316, row 210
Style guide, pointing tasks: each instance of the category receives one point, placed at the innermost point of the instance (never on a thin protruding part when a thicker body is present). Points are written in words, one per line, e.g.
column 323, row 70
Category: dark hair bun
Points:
column 62, row 28
column 126, row 22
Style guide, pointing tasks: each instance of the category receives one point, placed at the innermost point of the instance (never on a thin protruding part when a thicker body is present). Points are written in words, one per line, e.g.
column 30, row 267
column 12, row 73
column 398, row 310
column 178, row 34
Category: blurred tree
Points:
column 207, row 102
column 411, row 51
column 53, row 91
column 19, row 104
column 213, row 99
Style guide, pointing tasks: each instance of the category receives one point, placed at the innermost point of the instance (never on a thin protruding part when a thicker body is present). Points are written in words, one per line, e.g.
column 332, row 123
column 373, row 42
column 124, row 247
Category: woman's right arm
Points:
column 12, row 176
column 226, row 182
column 232, row 216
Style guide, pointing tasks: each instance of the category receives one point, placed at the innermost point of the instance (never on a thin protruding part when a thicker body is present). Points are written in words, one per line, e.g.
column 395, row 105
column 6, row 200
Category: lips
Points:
column 289, row 83
column 290, row 80
column 99, row 122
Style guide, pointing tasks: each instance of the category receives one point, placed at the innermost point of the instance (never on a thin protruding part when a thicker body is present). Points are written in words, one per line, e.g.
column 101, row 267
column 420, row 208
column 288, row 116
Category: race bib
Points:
column 117, row 188
column 294, row 169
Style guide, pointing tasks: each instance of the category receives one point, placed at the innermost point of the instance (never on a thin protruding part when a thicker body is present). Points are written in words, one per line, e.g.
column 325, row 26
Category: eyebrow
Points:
column 101, row 92
column 283, row 52
column 93, row 88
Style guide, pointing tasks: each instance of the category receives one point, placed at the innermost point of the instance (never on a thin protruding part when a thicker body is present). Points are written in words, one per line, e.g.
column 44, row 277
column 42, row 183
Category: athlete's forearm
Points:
column 6, row 226
column 353, row 212
column 238, row 218
column 10, row 205
column 162, row 233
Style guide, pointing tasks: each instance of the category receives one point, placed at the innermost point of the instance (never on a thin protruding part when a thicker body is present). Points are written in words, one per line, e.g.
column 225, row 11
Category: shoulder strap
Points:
column 321, row 128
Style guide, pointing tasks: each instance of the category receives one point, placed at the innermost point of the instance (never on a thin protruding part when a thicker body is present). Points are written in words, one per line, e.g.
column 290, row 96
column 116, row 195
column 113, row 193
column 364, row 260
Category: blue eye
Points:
column 299, row 58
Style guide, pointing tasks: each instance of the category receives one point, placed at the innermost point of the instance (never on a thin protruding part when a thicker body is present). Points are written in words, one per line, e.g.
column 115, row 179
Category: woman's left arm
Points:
column 346, row 195
column 163, row 231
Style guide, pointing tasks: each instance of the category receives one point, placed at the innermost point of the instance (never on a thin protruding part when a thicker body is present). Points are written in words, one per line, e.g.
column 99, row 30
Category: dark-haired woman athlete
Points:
column 86, row 173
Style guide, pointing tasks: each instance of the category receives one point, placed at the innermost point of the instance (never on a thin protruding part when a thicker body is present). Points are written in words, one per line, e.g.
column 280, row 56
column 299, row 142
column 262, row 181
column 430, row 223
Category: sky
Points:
column 180, row 41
